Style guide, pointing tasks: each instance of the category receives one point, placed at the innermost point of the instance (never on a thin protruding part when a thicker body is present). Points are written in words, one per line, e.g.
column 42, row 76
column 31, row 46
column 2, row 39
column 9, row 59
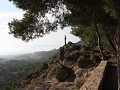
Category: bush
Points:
column 79, row 83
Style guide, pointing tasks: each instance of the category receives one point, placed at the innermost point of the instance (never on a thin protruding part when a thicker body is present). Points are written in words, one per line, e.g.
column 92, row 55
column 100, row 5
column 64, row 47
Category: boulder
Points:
column 73, row 56
column 73, row 47
column 62, row 73
column 84, row 62
column 70, row 43
column 61, row 53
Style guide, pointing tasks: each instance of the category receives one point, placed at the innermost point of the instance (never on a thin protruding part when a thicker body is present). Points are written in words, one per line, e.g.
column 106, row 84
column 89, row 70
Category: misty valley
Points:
column 14, row 68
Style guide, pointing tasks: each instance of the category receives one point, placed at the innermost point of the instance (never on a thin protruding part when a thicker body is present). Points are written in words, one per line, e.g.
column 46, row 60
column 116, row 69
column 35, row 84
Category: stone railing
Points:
column 95, row 80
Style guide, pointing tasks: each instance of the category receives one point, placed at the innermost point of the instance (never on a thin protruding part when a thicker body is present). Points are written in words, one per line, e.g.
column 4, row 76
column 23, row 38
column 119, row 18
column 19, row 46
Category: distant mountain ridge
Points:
column 2, row 60
column 34, row 55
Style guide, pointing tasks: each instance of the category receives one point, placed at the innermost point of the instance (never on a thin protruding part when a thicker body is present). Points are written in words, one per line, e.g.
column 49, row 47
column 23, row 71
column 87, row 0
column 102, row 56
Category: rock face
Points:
column 61, row 53
column 62, row 73
column 70, row 64
column 83, row 55
column 73, row 56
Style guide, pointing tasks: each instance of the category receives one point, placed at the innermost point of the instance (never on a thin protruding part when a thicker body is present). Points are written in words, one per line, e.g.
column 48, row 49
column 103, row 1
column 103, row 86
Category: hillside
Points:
column 14, row 68
column 32, row 56
column 12, row 71
column 66, row 70
column 2, row 60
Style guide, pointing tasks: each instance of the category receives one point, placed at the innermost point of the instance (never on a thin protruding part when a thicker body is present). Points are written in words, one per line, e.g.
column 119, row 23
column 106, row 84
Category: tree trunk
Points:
column 99, row 40
column 111, row 42
column 98, row 35
column 116, row 4
column 118, row 52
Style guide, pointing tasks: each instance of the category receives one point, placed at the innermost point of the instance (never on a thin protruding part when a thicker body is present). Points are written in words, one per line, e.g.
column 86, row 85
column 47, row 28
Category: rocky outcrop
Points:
column 73, row 56
column 72, row 65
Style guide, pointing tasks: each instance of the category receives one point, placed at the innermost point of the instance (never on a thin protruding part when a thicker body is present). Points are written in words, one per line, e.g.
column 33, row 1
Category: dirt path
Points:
column 110, row 79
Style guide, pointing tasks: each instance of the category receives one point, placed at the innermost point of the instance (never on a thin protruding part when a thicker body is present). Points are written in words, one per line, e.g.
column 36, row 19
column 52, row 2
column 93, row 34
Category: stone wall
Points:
column 95, row 79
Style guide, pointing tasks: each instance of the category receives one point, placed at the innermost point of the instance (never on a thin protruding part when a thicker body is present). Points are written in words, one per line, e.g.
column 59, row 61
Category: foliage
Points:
column 56, row 88
column 87, row 35
column 83, row 22
column 11, row 72
column 79, row 83
column 81, row 15
column 35, row 22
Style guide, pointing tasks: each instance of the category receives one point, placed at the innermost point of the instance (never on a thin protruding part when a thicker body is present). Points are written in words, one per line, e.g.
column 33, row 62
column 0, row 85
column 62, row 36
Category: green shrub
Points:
column 79, row 83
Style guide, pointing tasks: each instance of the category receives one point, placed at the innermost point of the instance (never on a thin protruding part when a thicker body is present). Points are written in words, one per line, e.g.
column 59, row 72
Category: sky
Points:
column 10, row 45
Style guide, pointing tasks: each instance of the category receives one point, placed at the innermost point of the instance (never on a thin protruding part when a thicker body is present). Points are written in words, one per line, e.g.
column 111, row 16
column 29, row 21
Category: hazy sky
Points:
column 10, row 45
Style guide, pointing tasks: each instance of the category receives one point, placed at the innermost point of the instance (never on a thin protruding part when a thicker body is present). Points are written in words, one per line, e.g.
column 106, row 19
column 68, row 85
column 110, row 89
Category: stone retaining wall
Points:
column 95, row 79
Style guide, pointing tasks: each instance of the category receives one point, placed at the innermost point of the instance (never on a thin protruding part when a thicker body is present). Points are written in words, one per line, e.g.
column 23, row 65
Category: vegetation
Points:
column 15, row 68
column 96, row 22
column 79, row 83
column 11, row 72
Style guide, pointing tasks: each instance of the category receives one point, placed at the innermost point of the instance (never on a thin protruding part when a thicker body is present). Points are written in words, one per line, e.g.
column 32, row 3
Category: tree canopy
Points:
column 35, row 22
column 81, row 15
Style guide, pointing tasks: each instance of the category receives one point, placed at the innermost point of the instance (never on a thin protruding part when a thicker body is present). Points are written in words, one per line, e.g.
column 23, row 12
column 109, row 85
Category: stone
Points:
column 62, row 73
column 73, row 56
column 61, row 53
column 70, row 43
column 83, row 63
